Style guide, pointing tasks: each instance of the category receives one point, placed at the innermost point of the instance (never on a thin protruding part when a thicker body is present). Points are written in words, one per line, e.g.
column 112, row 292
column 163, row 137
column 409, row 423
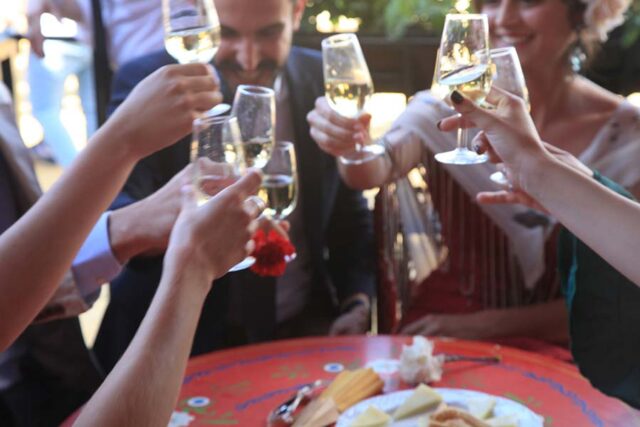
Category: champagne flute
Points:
column 506, row 73
column 463, row 66
column 192, row 33
column 279, row 182
column 348, row 86
column 255, row 109
column 216, row 160
column 191, row 30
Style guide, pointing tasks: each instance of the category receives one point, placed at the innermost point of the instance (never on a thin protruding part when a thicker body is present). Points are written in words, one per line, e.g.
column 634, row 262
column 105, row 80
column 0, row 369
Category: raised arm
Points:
column 36, row 252
column 143, row 387
column 601, row 218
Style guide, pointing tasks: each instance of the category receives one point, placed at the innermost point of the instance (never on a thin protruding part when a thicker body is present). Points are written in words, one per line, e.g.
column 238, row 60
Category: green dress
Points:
column 604, row 316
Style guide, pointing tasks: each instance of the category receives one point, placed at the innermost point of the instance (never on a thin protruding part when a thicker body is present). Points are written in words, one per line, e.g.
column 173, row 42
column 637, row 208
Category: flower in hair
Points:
column 602, row 16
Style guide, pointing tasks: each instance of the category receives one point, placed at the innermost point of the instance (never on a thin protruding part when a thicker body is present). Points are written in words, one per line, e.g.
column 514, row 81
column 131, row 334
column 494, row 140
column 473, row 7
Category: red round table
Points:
column 240, row 386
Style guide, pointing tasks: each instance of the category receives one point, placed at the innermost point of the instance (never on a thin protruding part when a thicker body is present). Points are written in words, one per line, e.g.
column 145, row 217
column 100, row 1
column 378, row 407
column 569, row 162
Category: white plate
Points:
column 453, row 397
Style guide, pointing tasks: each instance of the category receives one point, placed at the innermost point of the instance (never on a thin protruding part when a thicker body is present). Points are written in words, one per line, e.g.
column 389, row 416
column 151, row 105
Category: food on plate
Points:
column 418, row 364
column 372, row 417
column 318, row 413
column 504, row 421
column 481, row 407
column 452, row 417
column 350, row 387
column 423, row 399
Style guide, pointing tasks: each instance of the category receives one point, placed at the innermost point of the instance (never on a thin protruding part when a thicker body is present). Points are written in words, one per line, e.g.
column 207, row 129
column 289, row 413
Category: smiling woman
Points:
column 500, row 280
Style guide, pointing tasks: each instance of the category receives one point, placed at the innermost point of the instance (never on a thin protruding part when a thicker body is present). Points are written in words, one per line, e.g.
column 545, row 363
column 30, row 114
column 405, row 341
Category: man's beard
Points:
column 266, row 67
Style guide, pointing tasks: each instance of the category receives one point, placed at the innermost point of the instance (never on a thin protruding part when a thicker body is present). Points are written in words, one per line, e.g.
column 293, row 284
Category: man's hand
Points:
column 334, row 134
column 143, row 228
column 353, row 322
column 160, row 110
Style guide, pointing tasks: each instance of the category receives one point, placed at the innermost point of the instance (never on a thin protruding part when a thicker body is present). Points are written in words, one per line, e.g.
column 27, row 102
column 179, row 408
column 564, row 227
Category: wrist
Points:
column 127, row 233
column 357, row 300
column 184, row 263
column 122, row 140
column 534, row 173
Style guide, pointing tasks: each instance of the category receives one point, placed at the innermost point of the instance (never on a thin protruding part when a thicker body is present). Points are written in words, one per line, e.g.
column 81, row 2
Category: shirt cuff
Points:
column 95, row 263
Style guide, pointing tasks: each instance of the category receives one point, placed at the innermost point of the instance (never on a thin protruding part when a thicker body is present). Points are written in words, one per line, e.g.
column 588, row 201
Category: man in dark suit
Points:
column 332, row 276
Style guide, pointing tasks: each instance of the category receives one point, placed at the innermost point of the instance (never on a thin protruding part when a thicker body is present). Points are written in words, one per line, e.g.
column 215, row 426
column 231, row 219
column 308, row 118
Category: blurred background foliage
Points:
column 396, row 18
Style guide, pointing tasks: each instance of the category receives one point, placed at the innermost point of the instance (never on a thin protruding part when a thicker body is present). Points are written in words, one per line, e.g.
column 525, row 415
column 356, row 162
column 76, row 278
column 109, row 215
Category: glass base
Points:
column 363, row 155
column 499, row 178
column 245, row 263
column 461, row 156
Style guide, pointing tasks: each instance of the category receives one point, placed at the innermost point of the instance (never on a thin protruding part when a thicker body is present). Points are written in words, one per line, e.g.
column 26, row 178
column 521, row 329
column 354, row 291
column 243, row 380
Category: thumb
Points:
column 248, row 184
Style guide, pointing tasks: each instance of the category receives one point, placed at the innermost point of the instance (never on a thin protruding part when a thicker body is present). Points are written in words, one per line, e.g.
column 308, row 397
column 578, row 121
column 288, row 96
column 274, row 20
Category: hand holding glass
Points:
column 506, row 73
column 215, row 159
column 348, row 86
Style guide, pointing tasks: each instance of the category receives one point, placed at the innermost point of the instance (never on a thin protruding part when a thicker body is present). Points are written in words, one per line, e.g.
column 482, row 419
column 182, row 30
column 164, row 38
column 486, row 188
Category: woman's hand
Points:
column 160, row 110
column 210, row 239
column 334, row 134
column 518, row 196
column 508, row 133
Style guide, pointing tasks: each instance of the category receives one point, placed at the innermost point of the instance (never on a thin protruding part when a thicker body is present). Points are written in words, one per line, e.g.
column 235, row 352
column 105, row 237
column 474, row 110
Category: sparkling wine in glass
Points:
column 463, row 65
column 255, row 109
column 506, row 73
column 217, row 160
column 191, row 30
column 348, row 86
column 279, row 182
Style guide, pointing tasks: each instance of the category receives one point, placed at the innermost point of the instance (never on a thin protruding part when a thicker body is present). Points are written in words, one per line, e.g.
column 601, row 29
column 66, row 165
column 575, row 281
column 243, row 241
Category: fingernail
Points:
column 456, row 97
column 438, row 124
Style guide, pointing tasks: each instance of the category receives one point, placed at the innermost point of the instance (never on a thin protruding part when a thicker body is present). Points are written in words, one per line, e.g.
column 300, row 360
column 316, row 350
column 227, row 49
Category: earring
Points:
column 577, row 57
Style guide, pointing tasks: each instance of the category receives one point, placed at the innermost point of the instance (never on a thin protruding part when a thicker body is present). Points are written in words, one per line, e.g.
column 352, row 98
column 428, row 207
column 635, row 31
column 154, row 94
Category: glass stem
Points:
column 462, row 137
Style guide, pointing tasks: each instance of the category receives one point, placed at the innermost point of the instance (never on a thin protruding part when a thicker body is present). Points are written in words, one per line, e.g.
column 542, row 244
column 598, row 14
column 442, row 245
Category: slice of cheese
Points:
column 503, row 421
column 481, row 407
column 422, row 399
column 372, row 417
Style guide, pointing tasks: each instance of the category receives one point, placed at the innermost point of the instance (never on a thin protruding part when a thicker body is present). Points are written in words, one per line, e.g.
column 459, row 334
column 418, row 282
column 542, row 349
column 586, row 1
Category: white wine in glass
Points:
column 506, row 73
column 463, row 65
column 348, row 86
column 279, row 182
column 192, row 30
column 255, row 108
column 346, row 97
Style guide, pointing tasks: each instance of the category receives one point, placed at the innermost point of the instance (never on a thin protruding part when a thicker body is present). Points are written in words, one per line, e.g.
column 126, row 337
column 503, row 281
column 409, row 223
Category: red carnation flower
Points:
column 270, row 253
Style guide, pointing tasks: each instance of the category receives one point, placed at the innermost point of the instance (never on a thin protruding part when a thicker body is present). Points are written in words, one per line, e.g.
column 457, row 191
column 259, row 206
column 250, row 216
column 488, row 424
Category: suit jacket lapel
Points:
column 303, row 90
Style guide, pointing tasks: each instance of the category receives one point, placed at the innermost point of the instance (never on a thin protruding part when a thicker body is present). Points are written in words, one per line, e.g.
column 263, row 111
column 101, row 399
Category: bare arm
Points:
column 604, row 220
column 49, row 235
column 547, row 321
column 143, row 387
